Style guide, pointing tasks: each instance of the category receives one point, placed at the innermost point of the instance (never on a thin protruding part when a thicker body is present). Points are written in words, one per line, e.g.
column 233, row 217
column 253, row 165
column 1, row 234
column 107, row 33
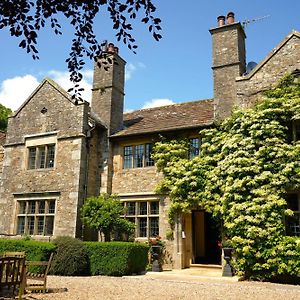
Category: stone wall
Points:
column 64, row 123
column 284, row 59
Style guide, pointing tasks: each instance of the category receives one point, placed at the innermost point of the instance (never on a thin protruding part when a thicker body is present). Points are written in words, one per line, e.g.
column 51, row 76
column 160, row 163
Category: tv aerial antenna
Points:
column 246, row 22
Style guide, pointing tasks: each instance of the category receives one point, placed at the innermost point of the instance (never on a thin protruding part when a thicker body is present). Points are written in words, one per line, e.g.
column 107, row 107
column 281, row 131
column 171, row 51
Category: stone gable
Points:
column 282, row 60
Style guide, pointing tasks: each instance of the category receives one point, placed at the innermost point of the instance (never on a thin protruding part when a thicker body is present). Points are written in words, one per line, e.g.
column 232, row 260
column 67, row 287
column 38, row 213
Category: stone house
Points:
column 59, row 151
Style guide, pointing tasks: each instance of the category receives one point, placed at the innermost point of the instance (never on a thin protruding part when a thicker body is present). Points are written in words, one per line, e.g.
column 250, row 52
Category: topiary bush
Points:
column 116, row 258
column 70, row 258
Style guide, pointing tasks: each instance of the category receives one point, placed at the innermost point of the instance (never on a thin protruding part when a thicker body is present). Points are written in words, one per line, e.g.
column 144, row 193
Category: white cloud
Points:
column 14, row 91
column 132, row 68
column 157, row 103
column 62, row 78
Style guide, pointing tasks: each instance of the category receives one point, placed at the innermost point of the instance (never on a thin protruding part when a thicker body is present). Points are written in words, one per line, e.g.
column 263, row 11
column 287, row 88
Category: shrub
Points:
column 103, row 213
column 70, row 258
column 35, row 250
column 116, row 258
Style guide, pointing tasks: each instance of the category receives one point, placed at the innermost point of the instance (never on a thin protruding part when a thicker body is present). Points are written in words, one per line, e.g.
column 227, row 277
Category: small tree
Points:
column 4, row 114
column 104, row 213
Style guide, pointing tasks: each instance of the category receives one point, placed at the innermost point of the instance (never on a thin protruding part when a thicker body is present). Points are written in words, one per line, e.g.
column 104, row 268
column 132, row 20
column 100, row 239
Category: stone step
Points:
column 206, row 266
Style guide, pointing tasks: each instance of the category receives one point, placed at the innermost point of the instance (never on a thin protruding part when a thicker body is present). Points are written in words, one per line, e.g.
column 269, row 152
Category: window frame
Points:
column 295, row 218
column 141, row 215
column 194, row 150
column 44, row 157
column 32, row 217
column 136, row 156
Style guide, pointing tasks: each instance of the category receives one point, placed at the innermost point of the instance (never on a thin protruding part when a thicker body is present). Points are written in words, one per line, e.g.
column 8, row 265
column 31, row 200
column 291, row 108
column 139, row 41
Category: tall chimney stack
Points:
column 229, row 62
column 108, row 89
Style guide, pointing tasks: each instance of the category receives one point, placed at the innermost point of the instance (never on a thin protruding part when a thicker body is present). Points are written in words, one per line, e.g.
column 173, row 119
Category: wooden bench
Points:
column 37, row 281
column 12, row 276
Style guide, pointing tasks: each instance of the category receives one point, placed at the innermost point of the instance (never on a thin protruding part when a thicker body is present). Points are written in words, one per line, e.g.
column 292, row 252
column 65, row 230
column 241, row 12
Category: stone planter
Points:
column 156, row 252
column 227, row 268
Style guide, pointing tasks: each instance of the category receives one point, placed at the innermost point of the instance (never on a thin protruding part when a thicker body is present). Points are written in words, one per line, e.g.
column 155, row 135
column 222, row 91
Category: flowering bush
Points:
column 246, row 165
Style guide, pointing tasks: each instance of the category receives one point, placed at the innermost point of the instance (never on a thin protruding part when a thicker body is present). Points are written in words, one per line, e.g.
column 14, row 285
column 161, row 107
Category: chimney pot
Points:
column 111, row 48
column 230, row 18
column 221, row 21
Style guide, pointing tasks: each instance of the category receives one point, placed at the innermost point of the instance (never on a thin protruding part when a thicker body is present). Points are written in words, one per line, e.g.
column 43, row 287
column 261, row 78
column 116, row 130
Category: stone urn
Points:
column 156, row 252
column 227, row 269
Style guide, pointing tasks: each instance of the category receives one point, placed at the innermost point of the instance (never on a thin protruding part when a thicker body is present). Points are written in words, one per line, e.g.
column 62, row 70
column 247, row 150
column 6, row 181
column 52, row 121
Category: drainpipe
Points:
column 86, row 175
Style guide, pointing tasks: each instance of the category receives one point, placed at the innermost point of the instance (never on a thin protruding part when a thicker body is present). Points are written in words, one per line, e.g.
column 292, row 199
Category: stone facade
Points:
column 65, row 181
column 284, row 59
column 90, row 143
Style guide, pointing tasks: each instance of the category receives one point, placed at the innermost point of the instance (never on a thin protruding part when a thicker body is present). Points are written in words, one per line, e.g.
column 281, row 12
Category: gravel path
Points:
column 145, row 287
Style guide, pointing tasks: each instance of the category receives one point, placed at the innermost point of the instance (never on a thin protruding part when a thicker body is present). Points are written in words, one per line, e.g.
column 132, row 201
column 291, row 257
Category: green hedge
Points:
column 111, row 259
column 116, row 258
column 35, row 251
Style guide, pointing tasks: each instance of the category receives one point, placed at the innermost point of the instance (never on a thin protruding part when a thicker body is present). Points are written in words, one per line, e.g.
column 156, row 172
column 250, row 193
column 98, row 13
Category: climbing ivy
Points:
column 246, row 166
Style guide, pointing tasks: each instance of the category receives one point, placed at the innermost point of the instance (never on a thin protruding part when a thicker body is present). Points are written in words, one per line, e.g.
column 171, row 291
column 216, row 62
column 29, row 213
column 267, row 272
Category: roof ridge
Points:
column 168, row 105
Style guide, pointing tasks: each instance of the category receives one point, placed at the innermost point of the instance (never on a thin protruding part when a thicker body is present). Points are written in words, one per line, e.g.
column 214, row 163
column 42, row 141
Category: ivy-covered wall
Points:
column 247, row 165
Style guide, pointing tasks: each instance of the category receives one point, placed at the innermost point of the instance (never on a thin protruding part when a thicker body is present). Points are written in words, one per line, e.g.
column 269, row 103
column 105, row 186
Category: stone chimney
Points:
column 229, row 62
column 108, row 89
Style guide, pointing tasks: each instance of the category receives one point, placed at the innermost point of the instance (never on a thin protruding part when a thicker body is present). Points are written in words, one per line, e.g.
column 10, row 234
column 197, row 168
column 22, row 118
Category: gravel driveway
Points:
column 147, row 287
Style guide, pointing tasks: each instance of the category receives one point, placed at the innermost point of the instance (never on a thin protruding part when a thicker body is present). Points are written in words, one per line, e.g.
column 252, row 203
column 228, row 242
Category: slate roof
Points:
column 167, row 118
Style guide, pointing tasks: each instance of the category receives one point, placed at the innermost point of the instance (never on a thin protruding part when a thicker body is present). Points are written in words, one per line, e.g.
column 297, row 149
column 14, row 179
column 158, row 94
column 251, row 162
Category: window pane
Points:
column 41, row 207
column 127, row 157
column 40, row 225
column 130, row 208
column 30, row 225
column 154, row 208
column 154, row 227
column 31, row 207
column 143, row 208
column 148, row 152
column 293, row 225
column 51, row 209
column 50, row 156
column 49, row 225
column 142, row 227
column 22, row 207
column 138, row 156
column 194, row 148
column 31, row 158
column 21, row 225
column 41, row 157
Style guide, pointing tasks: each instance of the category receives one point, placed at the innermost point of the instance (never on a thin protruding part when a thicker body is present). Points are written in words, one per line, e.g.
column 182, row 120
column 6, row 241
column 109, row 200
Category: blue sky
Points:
column 176, row 69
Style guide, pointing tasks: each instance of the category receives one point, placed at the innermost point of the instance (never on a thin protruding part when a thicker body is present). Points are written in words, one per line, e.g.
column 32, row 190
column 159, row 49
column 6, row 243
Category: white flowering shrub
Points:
column 246, row 166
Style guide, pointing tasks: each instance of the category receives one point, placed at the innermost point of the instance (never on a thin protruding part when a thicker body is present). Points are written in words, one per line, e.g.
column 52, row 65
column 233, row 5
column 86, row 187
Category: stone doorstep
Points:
column 189, row 274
